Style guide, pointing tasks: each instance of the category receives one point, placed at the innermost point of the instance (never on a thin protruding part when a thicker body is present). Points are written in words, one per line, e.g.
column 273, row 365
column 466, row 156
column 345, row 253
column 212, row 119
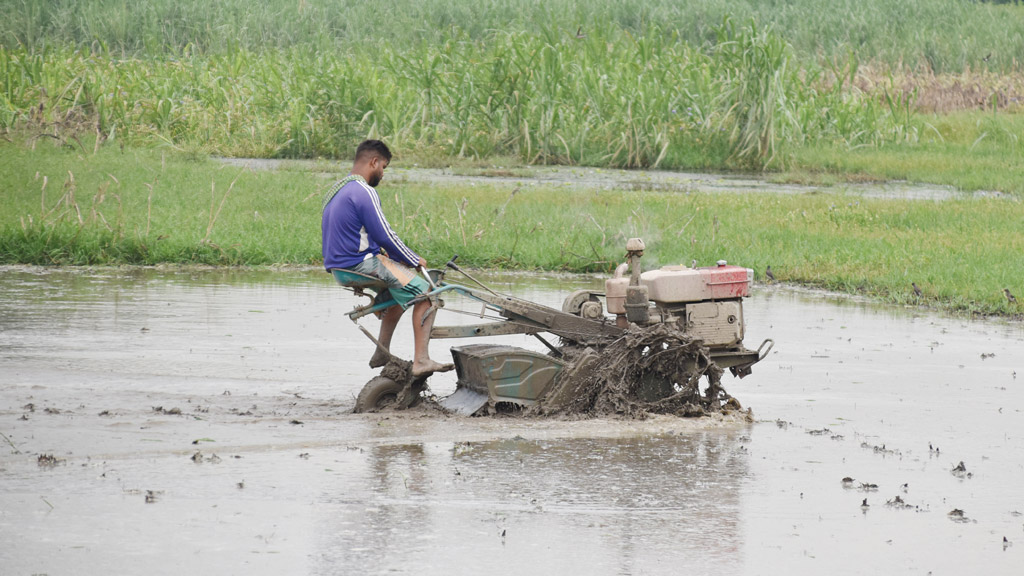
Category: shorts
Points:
column 404, row 283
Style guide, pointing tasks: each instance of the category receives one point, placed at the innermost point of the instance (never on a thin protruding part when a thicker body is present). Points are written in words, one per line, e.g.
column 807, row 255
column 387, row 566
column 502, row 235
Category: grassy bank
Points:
column 64, row 206
column 143, row 206
column 967, row 150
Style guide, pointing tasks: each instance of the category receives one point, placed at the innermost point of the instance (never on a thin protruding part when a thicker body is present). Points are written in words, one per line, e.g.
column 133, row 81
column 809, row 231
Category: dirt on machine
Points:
column 656, row 341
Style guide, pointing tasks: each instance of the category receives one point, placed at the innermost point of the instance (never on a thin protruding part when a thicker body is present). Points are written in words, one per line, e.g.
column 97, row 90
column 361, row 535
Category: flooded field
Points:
column 174, row 421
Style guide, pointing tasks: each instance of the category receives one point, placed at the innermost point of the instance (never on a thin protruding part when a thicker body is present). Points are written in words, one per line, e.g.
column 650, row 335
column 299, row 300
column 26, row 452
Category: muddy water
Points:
column 583, row 178
column 199, row 421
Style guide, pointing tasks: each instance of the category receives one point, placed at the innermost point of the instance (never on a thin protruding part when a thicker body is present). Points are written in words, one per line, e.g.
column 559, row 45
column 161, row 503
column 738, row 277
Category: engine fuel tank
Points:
column 674, row 284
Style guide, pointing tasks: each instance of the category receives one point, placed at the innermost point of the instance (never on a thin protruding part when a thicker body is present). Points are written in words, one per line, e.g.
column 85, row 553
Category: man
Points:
column 355, row 231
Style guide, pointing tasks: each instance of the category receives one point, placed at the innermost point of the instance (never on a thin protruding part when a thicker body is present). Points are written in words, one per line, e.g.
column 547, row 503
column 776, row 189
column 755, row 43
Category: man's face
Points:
column 378, row 165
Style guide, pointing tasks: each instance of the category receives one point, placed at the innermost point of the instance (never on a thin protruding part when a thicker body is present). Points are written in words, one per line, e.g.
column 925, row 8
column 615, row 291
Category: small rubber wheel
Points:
column 379, row 393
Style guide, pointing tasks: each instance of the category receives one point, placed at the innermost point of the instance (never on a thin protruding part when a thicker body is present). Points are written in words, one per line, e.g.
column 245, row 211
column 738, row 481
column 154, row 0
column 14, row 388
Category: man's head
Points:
column 372, row 157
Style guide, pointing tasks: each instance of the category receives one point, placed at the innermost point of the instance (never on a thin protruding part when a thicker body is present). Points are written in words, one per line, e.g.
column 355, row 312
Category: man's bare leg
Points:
column 422, row 364
column 388, row 322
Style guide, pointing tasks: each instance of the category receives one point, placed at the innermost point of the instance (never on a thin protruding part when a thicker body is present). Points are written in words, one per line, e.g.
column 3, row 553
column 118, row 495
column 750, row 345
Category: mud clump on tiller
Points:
column 649, row 370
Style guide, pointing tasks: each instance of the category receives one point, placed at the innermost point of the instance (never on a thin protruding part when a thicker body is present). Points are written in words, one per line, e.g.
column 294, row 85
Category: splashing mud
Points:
column 652, row 370
column 649, row 370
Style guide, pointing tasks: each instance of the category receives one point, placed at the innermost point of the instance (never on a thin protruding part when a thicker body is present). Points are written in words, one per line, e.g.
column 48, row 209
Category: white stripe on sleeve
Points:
column 408, row 254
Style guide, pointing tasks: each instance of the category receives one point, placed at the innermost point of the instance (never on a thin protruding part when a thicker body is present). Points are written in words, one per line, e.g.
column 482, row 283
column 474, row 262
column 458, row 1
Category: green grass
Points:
column 943, row 35
column 968, row 150
column 99, row 209
column 64, row 206
column 110, row 110
column 712, row 85
column 610, row 99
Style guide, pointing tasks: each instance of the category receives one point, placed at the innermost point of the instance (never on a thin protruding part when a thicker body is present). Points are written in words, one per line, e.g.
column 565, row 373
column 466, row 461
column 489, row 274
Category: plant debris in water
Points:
column 649, row 370
column 48, row 461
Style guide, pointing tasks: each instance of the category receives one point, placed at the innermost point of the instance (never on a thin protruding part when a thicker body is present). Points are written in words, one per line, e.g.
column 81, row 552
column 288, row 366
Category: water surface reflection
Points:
column 617, row 506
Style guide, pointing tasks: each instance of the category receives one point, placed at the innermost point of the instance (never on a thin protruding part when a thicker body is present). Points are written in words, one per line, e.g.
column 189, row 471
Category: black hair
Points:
column 373, row 147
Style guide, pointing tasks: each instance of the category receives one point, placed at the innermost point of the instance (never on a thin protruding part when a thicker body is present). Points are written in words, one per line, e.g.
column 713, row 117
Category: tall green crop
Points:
column 609, row 98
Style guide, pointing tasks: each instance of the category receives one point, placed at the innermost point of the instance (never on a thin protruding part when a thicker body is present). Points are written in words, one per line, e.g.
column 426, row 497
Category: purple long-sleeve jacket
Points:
column 354, row 227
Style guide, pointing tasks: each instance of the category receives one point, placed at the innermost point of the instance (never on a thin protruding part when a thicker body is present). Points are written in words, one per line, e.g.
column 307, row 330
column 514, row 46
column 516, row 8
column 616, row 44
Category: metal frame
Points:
column 525, row 317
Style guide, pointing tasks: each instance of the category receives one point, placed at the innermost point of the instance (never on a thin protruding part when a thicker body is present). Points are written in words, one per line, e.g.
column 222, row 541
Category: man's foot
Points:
column 379, row 358
column 429, row 367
